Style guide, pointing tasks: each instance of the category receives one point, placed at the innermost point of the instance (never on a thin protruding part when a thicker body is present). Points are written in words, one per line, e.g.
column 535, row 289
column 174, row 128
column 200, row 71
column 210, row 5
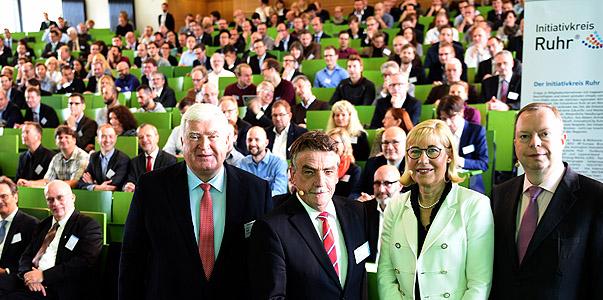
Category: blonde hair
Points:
column 438, row 132
column 345, row 139
column 354, row 128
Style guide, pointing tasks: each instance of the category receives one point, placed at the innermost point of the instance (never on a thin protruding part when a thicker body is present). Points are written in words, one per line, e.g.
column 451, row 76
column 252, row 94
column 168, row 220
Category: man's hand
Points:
column 37, row 287
column 105, row 186
column 364, row 197
column 71, row 122
column 33, row 276
column 23, row 182
column 87, row 178
column 254, row 105
column 129, row 187
column 495, row 104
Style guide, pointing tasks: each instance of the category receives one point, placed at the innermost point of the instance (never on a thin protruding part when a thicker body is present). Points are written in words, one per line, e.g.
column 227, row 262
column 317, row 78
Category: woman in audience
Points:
column 348, row 172
column 166, row 53
column 510, row 28
column 173, row 43
column 78, row 69
column 53, row 70
column 122, row 120
column 393, row 117
column 438, row 237
column 297, row 50
column 410, row 35
column 344, row 115
column 105, row 80
column 478, row 51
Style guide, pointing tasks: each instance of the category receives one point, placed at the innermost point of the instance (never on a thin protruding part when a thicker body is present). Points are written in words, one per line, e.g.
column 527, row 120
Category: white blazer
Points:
column 457, row 255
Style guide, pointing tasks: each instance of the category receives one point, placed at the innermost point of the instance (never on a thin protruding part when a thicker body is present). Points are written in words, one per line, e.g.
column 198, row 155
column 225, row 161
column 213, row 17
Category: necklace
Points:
column 428, row 206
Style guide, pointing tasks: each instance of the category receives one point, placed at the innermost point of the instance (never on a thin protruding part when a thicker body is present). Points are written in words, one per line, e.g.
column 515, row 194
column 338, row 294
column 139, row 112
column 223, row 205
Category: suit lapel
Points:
column 181, row 207
column 67, row 233
column 442, row 219
column 509, row 219
column 235, row 203
column 347, row 231
column 302, row 223
column 410, row 226
column 464, row 139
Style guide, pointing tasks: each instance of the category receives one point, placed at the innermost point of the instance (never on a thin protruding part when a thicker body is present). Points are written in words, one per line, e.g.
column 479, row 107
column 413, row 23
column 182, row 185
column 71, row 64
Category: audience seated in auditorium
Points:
column 303, row 89
column 348, row 172
column 259, row 110
column 69, row 84
column 393, row 117
column 503, row 91
column 39, row 112
column 228, row 105
column 344, row 115
column 84, row 127
column 470, row 113
column 122, row 120
column 162, row 94
column 487, row 67
column 173, row 144
column 34, row 162
column 332, row 74
column 282, row 135
column 144, row 96
column 397, row 97
column 9, row 113
column 283, row 89
column 356, row 89
column 453, row 70
column 217, row 69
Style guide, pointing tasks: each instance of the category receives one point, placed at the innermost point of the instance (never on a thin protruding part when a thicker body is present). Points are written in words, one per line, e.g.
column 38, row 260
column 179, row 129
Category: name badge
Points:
column 311, row 56
column 354, row 140
column 327, row 80
column 80, row 133
column 110, row 173
column 387, row 52
column 43, row 121
column 512, row 95
column 72, row 242
column 345, row 178
column 16, row 238
column 362, row 252
column 39, row 169
column 468, row 149
column 412, row 79
column 248, row 226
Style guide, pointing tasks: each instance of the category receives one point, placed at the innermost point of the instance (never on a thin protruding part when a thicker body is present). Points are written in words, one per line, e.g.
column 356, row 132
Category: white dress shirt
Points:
column 279, row 148
column 49, row 257
column 9, row 221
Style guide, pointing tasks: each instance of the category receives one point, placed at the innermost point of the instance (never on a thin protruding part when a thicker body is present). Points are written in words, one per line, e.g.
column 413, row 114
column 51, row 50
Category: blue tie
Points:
column 3, row 230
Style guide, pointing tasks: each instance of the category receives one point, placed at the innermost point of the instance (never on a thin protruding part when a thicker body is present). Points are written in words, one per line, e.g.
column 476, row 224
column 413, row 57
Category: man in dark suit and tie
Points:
column 16, row 230
column 70, row 84
column 151, row 158
column 33, row 163
column 108, row 168
column 84, row 127
column 261, row 54
column 58, row 263
column 398, row 97
column 259, row 110
column 15, row 96
column 5, row 54
column 502, row 92
column 204, row 208
column 318, row 32
column 53, row 46
column 282, row 135
column 39, row 112
column 549, row 221
column 283, row 39
column 166, row 18
column 9, row 113
column 314, row 245
column 487, row 67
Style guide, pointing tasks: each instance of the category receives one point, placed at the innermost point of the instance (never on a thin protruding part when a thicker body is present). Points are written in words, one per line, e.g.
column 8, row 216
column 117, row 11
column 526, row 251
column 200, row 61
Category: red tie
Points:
column 206, row 231
column 328, row 241
column 149, row 163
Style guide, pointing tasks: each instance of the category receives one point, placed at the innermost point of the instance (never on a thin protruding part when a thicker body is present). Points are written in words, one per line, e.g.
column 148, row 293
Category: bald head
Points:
column 393, row 142
column 386, row 182
column 60, row 199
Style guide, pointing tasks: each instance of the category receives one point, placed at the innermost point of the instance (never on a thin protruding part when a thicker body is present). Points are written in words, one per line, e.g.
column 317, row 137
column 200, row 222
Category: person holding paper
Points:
column 438, row 238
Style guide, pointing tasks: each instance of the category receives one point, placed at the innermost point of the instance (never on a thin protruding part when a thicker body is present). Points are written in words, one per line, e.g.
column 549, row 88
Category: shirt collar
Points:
column 108, row 155
column 217, row 182
column 10, row 217
column 549, row 184
column 507, row 79
column 153, row 154
column 63, row 221
column 312, row 99
column 385, row 201
column 285, row 130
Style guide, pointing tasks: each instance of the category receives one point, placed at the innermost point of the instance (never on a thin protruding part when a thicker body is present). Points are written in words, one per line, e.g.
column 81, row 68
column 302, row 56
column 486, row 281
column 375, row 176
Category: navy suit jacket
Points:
column 118, row 163
column 24, row 226
column 474, row 149
column 293, row 133
column 288, row 259
column 490, row 89
column 138, row 164
column 48, row 117
column 565, row 256
column 11, row 116
column 167, row 97
column 411, row 105
column 160, row 255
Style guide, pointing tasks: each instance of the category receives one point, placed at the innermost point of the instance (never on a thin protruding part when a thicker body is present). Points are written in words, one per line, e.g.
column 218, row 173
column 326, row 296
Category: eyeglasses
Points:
column 432, row 152
column 393, row 143
column 385, row 183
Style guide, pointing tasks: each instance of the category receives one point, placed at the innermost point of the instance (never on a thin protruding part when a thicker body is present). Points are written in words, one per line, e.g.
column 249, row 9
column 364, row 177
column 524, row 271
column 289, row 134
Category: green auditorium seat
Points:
column 176, row 117
column 9, row 162
column 373, row 64
column 317, row 119
column 176, row 83
column 168, row 71
column 427, row 112
column 121, row 206
column 157, row 119
column 310, row 67
column 101, row 219
column 257, row 79
column 136, row 72
column 488, row 176
column 422, row 91
column 471, row 73
column 129, row 54
column 180, row 71
column 54, row 101
column 502, row 123
column 125, row 144
column 371, row 133
column 375, row 77
column 223, row 82
column 329, row 42
column 97, row 201
column 483, row 111
column 9, row 143
column 48, row 138
column 323, row 94
column 425, row 21
column 164, row 134
column 36, row 212
column 365, row 113
column 32, row 197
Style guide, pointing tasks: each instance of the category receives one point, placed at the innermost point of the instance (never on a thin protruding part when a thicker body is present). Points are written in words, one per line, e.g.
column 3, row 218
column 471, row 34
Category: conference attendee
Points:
column 165, row 18
column 348, row 172
column 15, row 95
column 69, row 84
column 303, row 89
column 290, row 68
column 217, row 69
column 495, row 15
column 282, row 135
column 487, row 67
column 68, row 165
column 344, row 51
column 356, row 89
column 256, row 62
column 108, row 168
column 344, row 115
column 151, row 157
column 125, row 81
column 311, row 49
column 332, row 74
column 142, row 54
column 283, row 89
column 109, row 94
column 206, row 257
column 440, row 21
column 359, row 12
column 16, row 231
column 410, row 66
column 122, row 120
column 144, row 96
column 43, row 77
column 371, row 32
column 268, row 41
column 84, row 127
column 161, row 94
column 434, row 218
column 386, row 187
column 233, row 156
column 398, row 97
column 445, row 38
column 392, row 142
column 200, row 57
column 283, row 38
column 9, row 112
column 39, row 112
column 33, row 163
column 478, row 51
column 471, row 114
column 209, row 94
column 59, row 262
column 243, row 87
column 312, row 246
column 199, row 78
column 259, row 110
column 262, row 163
column 453, row 70
column 470, row 139
column 173, row 145
column 229, row 108
column 317, row 26
column 437, row 73
column 50, row 50
column 503, row 91
column 545, row 219
column 394, row 117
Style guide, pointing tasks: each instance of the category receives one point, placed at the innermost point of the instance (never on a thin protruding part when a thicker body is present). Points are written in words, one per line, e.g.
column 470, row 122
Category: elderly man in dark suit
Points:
column 314, row 245
column 58, row 262
column 502, row 92
column 16, row 231
column 282, row 135
column 204, row 208
column 549, row 221
column 303, row 89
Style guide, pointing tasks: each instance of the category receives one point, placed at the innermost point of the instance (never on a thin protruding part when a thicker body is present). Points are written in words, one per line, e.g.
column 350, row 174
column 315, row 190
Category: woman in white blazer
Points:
column 438, row 238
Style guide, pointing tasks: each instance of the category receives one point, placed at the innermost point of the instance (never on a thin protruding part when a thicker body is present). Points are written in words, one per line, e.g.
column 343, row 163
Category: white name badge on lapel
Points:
column 80, row 133
column 39, row 169
column 110, row 173
column 386, row 52
column 354, row 140
column 412, row 79
column 468, row 149
column 345, row 178
column 43, row 121
column 512, row 95
column 248, row 226
column 72, row 242
column 362, row 252
column 328, row 80
column 16, row 238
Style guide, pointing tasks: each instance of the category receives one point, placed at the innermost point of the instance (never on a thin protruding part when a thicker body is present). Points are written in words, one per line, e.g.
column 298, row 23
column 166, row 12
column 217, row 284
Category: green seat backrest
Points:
column 136, row 72
column 121, row 206
column 483, row 10
column 317, row 119
column 187, row 84
column 489, row 174
column 55, row 101
column 425, row 21
column 125, row 144
column 502, row 123
column 182, row 71
column 471, row 74
column 36, row 212
column 158, row 119
column 310, row 67
column 374, row 63
column 371, row 133
column 48, row 139
column 176, row 117
column 168, row 71
column 365, row 113
column 375, row 77
column 9, row 162
column 101, row 219
column 323, row 94
column 422, row 91
column 164, row 134
column 223, row 82
column 483, row 111
column 32, row 197
column 129, row 54
column 9, row 143
column 176, row 83
column 329, row 42
column 427, row 112
column 97, row 201
column 257, row 78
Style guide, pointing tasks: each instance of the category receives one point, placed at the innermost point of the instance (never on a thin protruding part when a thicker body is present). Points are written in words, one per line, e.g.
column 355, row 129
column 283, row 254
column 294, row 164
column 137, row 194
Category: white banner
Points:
column 563, row 65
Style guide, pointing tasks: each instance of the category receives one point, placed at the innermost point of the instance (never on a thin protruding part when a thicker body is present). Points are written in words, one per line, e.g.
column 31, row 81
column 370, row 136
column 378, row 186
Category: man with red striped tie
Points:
column 314, row 245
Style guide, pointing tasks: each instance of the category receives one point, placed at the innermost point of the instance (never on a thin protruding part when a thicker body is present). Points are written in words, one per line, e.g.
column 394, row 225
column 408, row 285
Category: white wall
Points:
column 9, row 10
column 32, row 12
column 147, row 12
column 98, row 10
